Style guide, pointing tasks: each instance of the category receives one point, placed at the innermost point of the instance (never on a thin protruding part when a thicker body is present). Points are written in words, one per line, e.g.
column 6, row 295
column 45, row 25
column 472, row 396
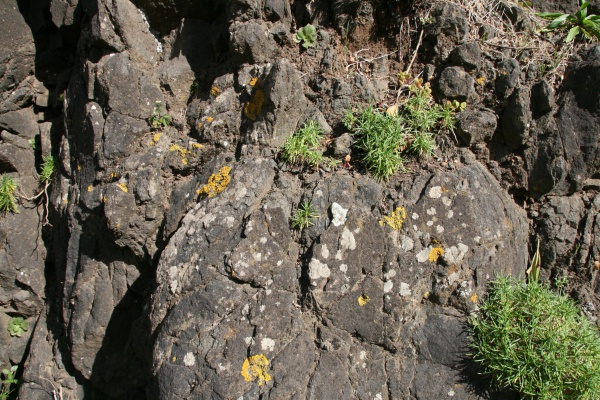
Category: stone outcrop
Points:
column 171, row 270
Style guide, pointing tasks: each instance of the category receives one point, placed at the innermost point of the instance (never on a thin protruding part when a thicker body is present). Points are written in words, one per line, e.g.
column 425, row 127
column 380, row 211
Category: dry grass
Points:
column 548, row 57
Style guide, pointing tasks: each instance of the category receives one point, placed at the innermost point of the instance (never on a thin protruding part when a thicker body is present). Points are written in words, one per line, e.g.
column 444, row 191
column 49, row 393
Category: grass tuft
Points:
column 536, row 341
column 8, row 201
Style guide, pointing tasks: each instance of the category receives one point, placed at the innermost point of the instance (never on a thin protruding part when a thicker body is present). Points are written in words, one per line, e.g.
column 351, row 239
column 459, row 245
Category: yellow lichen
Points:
column 363, row 299
column 255, row 368
column 79, row 168
column 156, row 137
column 199, row 125
column 104, row 199
column 254, row 107
column 123, row 187
column 474, row 298
column 90, row 188
column 216, row 183
column 481, row 80
column 197, row 145
column 395, row 220
column 183, row 152
column 435, row 253
column 215, row 91
column 426, row 295
column 209, row 119
column 253, row 82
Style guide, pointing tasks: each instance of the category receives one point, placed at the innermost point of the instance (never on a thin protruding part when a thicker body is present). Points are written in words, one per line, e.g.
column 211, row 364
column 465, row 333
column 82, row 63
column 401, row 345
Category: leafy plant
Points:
column 49, row 168
column 307, row 36
column 302, row 147
column 17, row 326
column 530, row 339
column 303, row 216
column 8, row 201
column 580, row 23
column 158, row 119
column 7, row 381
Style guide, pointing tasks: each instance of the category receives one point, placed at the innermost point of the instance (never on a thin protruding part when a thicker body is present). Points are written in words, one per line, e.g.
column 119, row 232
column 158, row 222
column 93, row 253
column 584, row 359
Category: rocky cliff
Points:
column 160, row 261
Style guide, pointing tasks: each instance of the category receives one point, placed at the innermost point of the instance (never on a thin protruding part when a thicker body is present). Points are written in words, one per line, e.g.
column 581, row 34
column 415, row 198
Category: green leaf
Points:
column 557, row 22
column 548, row 15
column 536, row 263
column 572, row 33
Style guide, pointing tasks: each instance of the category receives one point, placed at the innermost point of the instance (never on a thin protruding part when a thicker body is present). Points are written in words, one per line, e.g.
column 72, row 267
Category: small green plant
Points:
column 307, row 36
column 158, row 119
column 303, row 216
column 302, row 147
column 580, row 23
column 384, row 139
column 7, row 381
column 17, row 326
column 8, row 201
column 49, row 168
column 533, row 340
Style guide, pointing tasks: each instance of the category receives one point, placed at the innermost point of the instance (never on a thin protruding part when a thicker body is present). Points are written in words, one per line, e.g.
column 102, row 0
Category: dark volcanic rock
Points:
column 467, row 56
column 476, row 125
column 508, row 77
column 456, row 84
column 516, row 119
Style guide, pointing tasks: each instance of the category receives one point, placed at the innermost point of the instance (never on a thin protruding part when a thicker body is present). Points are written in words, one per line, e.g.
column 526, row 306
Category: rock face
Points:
column 169, row 268
column 234, row 283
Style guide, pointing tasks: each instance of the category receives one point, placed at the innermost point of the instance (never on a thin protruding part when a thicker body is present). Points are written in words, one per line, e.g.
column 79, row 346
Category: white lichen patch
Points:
column 390, row 274
column 338, row 255
column 387, row 286
column 248, row 340
column 317, row 269
column 447, row 202
column 431, row 211
column 477, row 239
column 267, row 344
column 455, row 254
column 406, row 243
column 324, row 251
column 263, row 240
column 439, row 229
column 450, row 214
column 423, row 255
column 347, row 240
column 189, row 360
column 240, row 193
column 415, row 216
column 435, row 192
column 344, row 268
column 339, row 214
column 257, row 256
column 429, row 223
column 404, row 289
column 362, row 355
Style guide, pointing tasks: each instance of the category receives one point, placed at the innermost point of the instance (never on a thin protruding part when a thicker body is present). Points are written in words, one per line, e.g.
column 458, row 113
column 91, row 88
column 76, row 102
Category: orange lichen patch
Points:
column 363, row 299
column 474, row 298
column 90, row 188
column 197, row 145
column 123, row 187
column 253, row 108
column 253, row 82
column 183, row 152
column 426, row 295
column 395, row 220
column 156, row 137
column 481, row 80
column 255, row 368
column 209, row 119
column 216, row 183
column 215, row 91
column 436, row 253
column 79, row 168
column 104, row 199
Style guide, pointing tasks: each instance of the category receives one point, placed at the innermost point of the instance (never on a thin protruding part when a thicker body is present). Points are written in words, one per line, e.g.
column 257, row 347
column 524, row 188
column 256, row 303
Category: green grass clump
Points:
column 49, row 168
column 8, row 201
column 302, row 147
column 530, row 339
column 303, row 216
column 386, row 139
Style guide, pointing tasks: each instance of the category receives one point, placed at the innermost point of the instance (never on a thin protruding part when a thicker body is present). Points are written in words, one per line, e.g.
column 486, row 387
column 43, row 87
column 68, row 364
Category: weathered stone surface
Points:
column 467, row 56
column 508, row 77
column 250, row 43
column 516, row 119
column 476, row 125
column 211, row 312
column 455, row 84
column 542, row 98
column 21, row 122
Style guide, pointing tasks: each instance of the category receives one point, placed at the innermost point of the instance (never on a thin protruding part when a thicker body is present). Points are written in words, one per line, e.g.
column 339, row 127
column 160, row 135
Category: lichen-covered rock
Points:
column 476, row 125
column 235, row 287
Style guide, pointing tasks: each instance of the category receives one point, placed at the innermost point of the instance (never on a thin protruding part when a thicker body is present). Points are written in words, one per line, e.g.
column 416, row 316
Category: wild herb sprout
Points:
column 17, row 326
column 303, row 216
column 306, row 36
column 158, row 119
column 8, row 201
column 7, row 381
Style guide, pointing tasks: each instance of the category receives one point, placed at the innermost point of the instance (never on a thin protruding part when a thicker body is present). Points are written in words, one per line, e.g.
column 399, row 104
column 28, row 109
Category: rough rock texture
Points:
column 165, row 274
column 233, row 282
